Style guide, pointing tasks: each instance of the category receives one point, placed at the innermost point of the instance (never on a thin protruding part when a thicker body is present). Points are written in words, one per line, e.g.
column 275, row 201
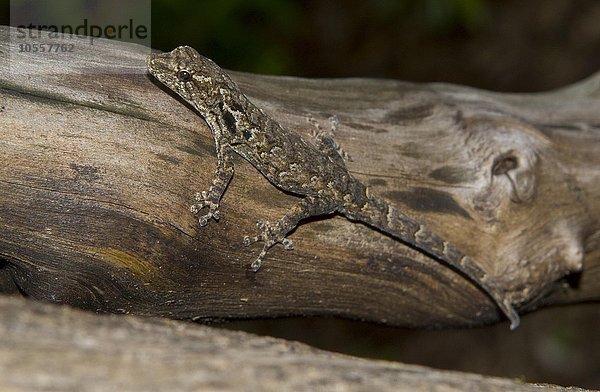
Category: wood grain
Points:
column 50, row 348
column 98, row 171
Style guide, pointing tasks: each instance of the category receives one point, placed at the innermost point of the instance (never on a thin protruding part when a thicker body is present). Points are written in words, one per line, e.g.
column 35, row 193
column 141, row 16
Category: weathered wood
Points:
column 47, row 347
column 98, row 171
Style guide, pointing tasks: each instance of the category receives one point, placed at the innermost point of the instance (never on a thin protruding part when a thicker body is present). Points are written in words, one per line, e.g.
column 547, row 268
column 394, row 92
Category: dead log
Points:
column 47, row 347
column 98, row 172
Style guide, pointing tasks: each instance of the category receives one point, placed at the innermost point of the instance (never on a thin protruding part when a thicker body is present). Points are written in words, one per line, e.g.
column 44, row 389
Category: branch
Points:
column 98, row 173
column 46, row 347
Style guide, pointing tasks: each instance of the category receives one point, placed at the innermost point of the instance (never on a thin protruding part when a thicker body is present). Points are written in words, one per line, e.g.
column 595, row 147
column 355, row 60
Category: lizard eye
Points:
column 184, row 76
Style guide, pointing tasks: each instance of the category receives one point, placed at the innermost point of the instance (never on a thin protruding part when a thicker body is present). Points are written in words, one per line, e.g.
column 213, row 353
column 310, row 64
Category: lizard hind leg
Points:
column 326, row 141
column 272, row 234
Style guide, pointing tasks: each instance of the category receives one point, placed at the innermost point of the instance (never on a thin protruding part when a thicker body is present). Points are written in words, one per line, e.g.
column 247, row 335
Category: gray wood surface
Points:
column 50, row 348
column 98, row 170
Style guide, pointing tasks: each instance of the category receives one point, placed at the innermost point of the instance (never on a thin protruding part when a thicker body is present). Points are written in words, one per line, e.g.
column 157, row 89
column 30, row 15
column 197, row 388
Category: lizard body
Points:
column 318, row 173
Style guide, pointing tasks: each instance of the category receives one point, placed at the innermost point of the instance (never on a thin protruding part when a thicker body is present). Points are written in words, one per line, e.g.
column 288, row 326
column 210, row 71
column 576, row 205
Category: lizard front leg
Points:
column 212, row 198
column 272, row 234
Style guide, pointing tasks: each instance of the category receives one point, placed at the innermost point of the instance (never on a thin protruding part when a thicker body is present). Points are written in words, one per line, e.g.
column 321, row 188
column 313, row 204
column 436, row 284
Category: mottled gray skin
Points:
column 318, row 173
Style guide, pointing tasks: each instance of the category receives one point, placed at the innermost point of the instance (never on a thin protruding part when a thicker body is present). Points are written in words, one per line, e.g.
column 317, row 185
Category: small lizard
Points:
column 317, row 173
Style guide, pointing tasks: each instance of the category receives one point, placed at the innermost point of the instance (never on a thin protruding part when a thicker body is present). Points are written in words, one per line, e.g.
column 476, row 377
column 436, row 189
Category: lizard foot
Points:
column 206, row 199
column 270, row 235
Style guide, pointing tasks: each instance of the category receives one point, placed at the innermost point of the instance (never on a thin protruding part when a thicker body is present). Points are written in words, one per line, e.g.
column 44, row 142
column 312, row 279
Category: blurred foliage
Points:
column 493, row 44
column 265, row 35
column 247, row 35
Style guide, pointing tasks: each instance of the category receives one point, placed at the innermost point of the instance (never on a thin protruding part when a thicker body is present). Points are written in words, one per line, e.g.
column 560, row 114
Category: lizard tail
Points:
column 379, row 214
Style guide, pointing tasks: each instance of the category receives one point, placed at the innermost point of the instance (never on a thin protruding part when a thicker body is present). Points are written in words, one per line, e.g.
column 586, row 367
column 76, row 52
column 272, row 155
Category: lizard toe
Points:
column 287, row 244
column 247, row 241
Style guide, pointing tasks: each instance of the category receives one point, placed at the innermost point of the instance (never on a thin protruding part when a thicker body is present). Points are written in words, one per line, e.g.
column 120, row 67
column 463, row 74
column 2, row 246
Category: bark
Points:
column 46, row 347
column 98, row 171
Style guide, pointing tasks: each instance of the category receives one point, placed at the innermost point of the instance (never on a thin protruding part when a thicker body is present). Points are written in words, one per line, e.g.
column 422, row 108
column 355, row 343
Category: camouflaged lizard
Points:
column 317, row 173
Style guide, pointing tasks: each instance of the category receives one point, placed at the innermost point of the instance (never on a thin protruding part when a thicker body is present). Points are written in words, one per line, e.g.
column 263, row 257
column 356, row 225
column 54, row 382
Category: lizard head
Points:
column 195, row 78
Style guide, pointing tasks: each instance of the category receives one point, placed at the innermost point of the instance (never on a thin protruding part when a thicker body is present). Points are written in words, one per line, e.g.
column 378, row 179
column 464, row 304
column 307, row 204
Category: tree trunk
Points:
column 98, row 172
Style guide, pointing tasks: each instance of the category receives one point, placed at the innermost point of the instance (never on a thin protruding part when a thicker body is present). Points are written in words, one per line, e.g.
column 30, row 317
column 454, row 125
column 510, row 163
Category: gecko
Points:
column 315, row 172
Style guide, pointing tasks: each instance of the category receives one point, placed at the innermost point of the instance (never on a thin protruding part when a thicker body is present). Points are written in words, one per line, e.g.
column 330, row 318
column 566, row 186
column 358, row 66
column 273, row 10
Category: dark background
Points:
column 502, row 45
